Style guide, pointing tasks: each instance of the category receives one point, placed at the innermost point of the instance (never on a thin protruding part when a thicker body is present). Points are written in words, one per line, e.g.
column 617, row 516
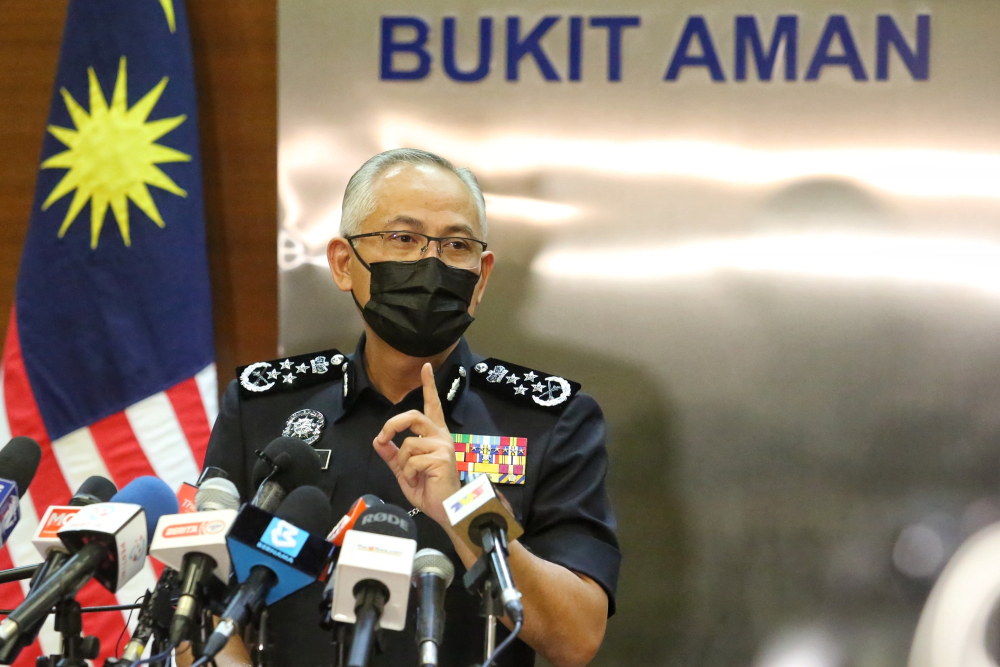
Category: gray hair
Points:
column 359, row 197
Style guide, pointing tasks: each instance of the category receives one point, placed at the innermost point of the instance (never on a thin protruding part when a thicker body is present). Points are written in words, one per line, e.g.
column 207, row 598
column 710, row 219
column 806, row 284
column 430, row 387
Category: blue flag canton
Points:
column 113, row 298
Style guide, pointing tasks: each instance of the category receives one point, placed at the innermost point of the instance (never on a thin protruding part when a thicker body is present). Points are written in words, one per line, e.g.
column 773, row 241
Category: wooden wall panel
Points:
column 29, row 50
column 235, row 57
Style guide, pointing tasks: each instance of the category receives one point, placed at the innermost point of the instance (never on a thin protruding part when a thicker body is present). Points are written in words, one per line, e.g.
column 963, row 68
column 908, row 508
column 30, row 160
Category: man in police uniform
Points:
column 413, row 405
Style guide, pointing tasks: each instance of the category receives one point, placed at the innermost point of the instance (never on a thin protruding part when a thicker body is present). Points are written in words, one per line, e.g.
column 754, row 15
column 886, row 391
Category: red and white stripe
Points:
column 165, row 435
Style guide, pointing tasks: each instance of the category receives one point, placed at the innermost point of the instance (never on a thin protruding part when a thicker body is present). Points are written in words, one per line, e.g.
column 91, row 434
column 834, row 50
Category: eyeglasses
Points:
column 400, row 246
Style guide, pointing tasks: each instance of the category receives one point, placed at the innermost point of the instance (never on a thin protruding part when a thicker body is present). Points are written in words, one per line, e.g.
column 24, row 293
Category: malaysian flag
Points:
column 108, row 360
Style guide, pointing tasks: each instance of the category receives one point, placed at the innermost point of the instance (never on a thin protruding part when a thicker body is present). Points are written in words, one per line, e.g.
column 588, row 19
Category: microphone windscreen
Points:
column 387, row 520
column 300, row 465
column 432, row 561
column 153, row 495
column 19, row 460
column 217, row 493
column 95, row 489
column 308, row 508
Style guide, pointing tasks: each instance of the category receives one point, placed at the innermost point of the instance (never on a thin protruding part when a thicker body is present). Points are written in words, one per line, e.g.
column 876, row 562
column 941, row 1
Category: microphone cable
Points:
column 118, row 644
column 504, row 644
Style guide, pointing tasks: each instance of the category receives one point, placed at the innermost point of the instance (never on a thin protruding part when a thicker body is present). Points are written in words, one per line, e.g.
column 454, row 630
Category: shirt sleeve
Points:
column 225, row 446
column 570, row 522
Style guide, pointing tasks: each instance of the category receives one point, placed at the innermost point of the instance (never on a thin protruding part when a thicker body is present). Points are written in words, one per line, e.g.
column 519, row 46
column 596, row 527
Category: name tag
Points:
column 324, row 457
column 502, row 458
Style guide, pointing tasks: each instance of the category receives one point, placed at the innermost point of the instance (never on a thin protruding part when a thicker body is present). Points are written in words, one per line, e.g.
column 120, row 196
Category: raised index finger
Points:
column 432, row 402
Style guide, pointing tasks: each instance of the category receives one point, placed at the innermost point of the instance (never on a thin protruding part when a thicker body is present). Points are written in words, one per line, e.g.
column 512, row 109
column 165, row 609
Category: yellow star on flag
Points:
column 112, row 157
column 168, row 11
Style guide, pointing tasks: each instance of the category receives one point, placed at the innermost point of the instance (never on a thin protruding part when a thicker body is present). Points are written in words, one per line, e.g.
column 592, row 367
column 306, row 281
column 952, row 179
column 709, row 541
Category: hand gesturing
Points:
column 424, row 464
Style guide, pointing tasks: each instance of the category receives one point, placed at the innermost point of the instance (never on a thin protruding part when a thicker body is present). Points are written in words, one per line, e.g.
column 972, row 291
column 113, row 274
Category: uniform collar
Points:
column 452, row 379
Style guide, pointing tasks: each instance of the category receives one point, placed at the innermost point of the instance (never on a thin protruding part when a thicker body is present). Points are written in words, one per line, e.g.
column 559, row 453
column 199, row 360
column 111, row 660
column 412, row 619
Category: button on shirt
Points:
column 562, row 505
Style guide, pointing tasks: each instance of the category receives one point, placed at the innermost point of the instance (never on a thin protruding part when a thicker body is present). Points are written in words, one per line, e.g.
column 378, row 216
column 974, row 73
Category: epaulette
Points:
column 523, row 385
column 280, row 375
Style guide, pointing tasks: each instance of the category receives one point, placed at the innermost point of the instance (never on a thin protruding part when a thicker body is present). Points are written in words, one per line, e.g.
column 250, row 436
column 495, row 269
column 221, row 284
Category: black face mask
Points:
column 420, row 308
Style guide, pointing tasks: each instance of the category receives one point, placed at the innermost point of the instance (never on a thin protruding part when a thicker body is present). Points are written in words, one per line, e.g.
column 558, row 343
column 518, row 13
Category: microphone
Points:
column 336, row 538
column 273, row 556
column 211, row 472
column 346, row 523
column 108, row 542
column 95, row 489
column 433, row 573
column 372, row 578
column 194, row 544
column 19, row 460
column 217, row 493
column 154, row 614
column 285, row 465
column 485, row 521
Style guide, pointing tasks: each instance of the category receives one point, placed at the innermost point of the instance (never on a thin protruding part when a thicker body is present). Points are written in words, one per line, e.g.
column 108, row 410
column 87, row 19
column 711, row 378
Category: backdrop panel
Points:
column 767, row 242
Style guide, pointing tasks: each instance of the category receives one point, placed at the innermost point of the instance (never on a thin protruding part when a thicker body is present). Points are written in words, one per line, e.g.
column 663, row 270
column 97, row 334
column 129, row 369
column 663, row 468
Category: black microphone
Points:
column 211, row 472
column 432, row 575
column 95, row 489
column 274, row 556
column 109, row 541
column 372, row 579
column 285, row 465
column 19, row 461
column 154, row 615
column 198, row 567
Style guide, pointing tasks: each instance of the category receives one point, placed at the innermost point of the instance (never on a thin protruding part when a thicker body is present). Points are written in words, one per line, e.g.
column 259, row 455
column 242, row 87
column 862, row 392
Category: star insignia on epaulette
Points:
column 514, row 382
column 290, row 373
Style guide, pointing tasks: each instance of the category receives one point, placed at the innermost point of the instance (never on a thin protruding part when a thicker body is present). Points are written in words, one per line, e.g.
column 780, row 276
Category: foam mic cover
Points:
column 299, row 464
column 95, row 489
column 308, row 508
column 19, row 460
column 153, row 495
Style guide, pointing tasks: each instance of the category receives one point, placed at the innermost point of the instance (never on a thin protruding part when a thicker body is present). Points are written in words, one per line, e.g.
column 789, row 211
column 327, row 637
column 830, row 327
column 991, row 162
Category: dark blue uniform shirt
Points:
column 562, row 505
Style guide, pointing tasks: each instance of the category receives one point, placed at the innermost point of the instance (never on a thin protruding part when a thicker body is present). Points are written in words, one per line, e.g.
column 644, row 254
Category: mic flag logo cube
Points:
column 257, row 537
column 9, row 509
column 475, row 499
column 122, row 528
column 204, row 532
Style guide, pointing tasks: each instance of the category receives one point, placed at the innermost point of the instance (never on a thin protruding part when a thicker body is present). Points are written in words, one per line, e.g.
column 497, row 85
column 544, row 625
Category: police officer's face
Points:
column 418, row 198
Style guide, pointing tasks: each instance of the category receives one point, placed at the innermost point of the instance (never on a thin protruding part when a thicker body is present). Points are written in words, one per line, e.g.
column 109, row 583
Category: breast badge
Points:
column 306, row 425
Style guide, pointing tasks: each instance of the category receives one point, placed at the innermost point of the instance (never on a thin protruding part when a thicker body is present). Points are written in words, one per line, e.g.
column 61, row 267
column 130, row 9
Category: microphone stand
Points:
column 260, row 653
column 491, row 608
column 480, row 580
column 77, row 649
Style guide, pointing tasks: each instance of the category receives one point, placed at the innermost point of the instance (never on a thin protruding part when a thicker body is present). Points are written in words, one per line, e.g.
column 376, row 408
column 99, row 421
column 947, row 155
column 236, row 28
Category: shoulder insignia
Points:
column 523, row 385
column 290, row 373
